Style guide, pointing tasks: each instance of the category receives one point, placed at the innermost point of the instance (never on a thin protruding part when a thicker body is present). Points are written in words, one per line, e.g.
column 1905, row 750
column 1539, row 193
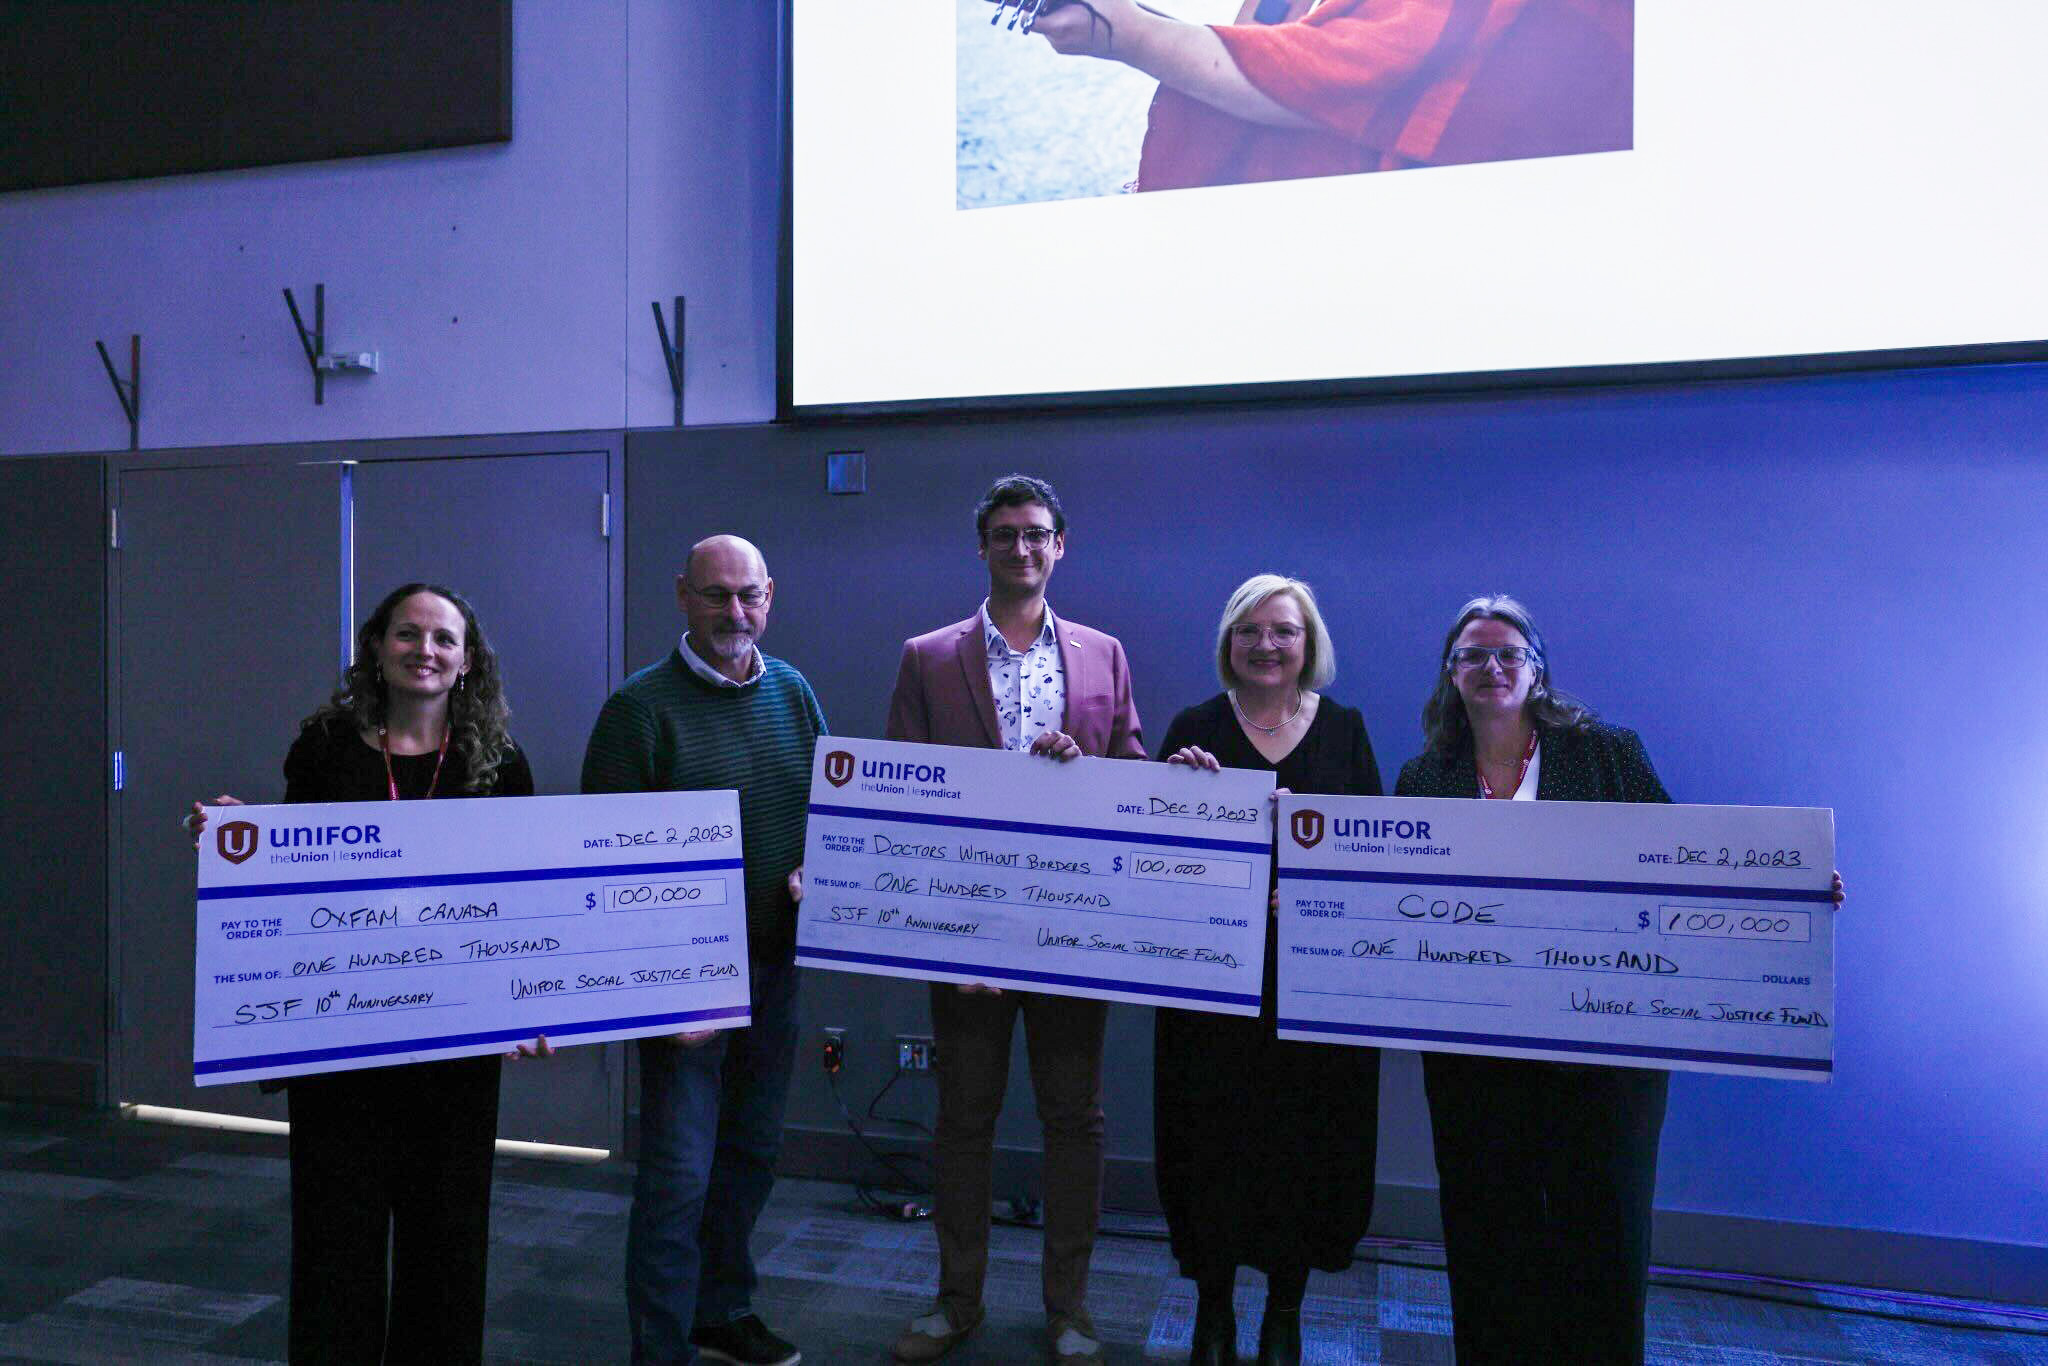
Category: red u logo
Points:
column 236, row 841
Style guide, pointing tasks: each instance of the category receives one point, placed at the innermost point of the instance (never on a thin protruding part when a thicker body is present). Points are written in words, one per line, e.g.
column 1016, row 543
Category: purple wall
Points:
column 507, row 288
column 703, row 200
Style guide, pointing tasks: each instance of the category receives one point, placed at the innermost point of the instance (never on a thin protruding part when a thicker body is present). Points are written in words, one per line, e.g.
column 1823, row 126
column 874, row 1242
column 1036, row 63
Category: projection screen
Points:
column 1553, row 190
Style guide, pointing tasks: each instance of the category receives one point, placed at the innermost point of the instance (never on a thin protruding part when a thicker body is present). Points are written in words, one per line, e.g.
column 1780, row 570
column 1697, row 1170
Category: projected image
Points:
column 1071, row 99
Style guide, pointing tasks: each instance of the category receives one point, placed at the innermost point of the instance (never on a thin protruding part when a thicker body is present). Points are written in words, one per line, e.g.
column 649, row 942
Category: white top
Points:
column 1030, row 685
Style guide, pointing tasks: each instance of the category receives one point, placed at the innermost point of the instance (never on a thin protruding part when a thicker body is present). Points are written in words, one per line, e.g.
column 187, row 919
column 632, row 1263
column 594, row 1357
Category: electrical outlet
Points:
column 916, row 1053
column 834, row 1054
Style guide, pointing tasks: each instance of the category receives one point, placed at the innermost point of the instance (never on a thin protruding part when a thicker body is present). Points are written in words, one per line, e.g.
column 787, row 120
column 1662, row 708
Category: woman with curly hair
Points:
column 423, row 690
column 399, row 1157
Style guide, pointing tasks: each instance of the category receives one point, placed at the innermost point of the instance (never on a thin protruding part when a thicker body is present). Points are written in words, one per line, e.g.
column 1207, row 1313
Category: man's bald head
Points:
column 725, row 593
column 726, row 552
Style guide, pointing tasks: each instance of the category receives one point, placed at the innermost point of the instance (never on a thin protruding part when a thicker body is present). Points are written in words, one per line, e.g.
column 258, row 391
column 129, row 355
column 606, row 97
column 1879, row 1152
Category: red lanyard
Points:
column 1486, row 788
column 391, row 779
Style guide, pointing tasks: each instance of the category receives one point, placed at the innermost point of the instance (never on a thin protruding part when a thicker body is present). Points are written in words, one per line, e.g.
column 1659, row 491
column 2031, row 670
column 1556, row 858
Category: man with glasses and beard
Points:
column 1015, row 676
column 717, row 713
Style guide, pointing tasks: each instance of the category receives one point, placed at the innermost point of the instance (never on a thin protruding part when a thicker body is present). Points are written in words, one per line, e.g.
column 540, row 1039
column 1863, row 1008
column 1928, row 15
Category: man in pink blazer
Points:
column 1015, row 676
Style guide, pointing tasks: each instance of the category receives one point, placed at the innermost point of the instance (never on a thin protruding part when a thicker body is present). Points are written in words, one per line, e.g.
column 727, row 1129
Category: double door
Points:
column 236, row 592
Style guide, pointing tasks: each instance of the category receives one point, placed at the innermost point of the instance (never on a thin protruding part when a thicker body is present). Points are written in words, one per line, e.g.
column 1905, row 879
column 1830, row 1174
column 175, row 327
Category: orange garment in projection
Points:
column 1393, row 84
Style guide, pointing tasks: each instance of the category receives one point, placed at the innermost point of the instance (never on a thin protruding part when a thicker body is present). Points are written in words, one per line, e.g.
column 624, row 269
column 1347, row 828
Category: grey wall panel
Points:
column 228, row 597
column 522, row 537
column 53, row 781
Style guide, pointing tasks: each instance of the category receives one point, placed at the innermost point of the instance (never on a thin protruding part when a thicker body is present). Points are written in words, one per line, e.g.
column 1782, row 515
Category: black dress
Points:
column 1546, row 1171
column 390, row 1153
column 1265, row 1147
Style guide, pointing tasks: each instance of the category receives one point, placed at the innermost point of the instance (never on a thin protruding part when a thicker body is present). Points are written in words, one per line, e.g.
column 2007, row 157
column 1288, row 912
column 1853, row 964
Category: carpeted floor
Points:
column 131, row 1242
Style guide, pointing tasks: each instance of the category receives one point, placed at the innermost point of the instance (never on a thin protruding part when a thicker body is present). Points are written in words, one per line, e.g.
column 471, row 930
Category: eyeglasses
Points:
column 1033, row 537
column 1511, row 657
column 1248, row 635
column 719, row 599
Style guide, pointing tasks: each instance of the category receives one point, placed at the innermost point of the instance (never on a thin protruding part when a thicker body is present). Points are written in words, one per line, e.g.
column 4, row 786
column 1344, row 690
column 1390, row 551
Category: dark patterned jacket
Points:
column 1599, row 763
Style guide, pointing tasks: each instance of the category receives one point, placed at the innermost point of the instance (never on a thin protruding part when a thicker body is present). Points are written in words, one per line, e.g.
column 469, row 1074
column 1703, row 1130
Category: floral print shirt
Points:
column 1030, row 685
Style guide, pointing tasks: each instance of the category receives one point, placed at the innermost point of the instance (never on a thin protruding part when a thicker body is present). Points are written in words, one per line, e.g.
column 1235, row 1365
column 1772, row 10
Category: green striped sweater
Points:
column 667, row 730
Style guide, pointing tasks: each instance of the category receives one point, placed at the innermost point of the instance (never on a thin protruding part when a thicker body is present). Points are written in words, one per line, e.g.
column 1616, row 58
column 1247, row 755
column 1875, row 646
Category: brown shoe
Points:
column 931, row 1337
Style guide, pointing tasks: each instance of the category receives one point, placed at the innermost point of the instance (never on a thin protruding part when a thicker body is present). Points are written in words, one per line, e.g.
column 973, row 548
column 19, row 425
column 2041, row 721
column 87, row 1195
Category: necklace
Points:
column 1528, row 753
column 391, row 779
column 1266, row 730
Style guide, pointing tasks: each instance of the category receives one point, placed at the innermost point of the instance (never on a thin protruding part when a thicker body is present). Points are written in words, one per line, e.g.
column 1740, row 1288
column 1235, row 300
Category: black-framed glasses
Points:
column 1511, row 657
column 718, row 599
column 1033, row 537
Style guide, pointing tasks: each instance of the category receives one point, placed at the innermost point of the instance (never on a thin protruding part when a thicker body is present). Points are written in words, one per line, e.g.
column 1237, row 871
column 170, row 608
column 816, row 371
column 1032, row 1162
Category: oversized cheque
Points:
column 354, row 934
column 1694, row 938
column 1107, row 878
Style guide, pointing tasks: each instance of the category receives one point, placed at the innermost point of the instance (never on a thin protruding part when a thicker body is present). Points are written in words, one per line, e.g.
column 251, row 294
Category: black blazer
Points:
column 1599, row 763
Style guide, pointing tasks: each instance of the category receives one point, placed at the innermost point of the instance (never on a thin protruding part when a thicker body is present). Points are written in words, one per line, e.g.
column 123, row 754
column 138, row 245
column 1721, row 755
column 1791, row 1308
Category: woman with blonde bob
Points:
column 1265, row 1147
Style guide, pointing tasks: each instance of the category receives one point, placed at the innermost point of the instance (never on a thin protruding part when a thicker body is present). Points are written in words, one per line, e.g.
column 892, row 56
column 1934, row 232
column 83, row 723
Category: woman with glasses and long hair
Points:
column 400, row 1156
column 1545, row 1170
column 1265, row 1147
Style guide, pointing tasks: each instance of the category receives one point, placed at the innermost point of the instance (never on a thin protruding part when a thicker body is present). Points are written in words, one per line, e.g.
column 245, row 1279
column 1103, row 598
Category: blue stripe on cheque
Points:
column 824, row 958
column 1079, row 832
column 1555, row 884
column 383, row 1050
column 1395, row 1037
column 376, row 884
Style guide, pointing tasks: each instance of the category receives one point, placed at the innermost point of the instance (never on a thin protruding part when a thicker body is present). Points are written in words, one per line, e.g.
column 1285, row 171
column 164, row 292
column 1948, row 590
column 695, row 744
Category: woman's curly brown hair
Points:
column 477, row 711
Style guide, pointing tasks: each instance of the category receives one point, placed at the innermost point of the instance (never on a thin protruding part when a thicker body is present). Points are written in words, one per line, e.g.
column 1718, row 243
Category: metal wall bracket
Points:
column 672, row 352
column 313, row 342
column 128, row 391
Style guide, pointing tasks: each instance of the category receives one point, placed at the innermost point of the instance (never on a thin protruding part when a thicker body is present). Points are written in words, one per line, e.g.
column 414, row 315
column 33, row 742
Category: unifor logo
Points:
column 236, row 841
column 1307, row 828
column 838, row 768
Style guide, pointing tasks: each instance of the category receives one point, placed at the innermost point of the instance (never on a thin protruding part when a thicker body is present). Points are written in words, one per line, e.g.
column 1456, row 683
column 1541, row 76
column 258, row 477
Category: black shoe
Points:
column 1215, row 1341
column 745, row 1342
column 1280, row 1338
